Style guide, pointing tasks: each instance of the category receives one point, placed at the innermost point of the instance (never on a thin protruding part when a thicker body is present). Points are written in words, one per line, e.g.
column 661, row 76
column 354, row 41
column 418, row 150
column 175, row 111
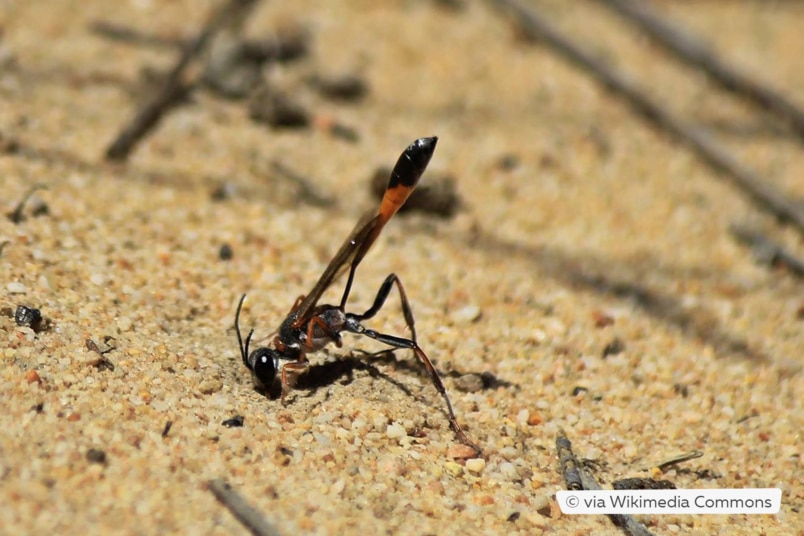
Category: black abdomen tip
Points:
column 412, row 162
column 421, row 150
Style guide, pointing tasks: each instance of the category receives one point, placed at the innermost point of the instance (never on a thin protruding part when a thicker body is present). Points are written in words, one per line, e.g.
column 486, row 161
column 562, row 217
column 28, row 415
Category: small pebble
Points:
column 278, row 110
column 32, row 376
column 38, row 206
column 615, row 347
column 380, row 422
column 602, row 319
column 453, row 468
column 96, row 456
column 323, row 441
column 209, row 386
column 359, row 424
column 475, row 465
column 221, row 192
column 226, row 252
column 466, row 314
column 461, row 452
column 395, row 431
column 27, row 316
column 508, row 470
column 542, row 505
column 469, row 383
column 16, row 287
column 508, row 162
column 124, row 324
column 344, row 87
column 234, row 422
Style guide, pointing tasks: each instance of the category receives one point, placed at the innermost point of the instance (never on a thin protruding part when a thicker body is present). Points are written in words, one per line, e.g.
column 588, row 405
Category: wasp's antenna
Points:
column 243, row 348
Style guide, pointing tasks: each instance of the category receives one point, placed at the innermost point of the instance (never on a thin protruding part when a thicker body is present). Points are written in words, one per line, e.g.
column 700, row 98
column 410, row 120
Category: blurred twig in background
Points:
column 694, row 51
column 251, row 518
column 119, row 32
column 174, row 86
column 767, row 251
column 715, row 155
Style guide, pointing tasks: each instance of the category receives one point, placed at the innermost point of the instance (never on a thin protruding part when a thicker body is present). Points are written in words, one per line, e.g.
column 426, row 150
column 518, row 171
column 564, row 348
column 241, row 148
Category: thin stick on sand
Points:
column 577, row 477
column 244, row 512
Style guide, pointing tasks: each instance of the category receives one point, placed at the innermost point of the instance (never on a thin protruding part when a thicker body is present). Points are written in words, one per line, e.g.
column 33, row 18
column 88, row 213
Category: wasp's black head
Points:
column 264, row 364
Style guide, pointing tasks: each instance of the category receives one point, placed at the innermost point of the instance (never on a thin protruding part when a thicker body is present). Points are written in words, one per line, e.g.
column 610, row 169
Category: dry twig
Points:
column 175, row 87
column 244, row 512
column 578, row 478
column 124, row 34
column 16, row 215
column 715, row 155
column 767, row 251
column 691, row 50
column 664, row 465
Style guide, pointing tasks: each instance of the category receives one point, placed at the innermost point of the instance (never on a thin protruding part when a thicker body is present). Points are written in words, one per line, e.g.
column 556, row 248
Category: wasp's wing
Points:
column 404, row 177
column 342, row 261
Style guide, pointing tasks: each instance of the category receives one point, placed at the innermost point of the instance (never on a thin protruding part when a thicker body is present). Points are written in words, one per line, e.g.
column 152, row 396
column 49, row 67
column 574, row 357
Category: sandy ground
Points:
column 598, row 230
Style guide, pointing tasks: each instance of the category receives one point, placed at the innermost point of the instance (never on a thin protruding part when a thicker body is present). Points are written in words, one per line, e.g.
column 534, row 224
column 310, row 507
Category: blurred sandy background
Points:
column 582, row 229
